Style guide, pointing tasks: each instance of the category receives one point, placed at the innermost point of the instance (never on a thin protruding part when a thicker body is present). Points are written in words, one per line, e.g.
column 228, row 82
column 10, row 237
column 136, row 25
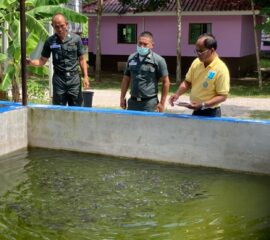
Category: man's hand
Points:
column 86, row 83
column 173, row 99
column 160, row 107
column 123, row 103
column 195, row 106
column 28, row 61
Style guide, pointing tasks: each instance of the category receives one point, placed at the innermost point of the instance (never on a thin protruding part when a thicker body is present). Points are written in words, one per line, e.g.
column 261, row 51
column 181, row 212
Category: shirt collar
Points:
column 214, row 62
column 68, row 36
column 149, row 57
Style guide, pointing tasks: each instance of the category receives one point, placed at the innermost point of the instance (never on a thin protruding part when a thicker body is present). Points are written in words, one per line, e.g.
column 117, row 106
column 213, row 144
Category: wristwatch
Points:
column 203, row 106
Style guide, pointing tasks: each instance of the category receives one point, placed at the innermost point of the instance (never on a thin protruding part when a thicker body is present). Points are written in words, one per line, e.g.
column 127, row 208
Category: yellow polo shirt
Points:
column 207, row 82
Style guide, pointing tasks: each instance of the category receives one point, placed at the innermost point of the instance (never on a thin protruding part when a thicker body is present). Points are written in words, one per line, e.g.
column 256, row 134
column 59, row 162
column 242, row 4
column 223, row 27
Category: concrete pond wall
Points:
column 233, row 144
column 13, row 128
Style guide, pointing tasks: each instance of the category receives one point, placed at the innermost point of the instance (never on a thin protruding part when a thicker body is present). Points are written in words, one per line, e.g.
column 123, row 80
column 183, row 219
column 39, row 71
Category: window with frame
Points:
column 127, row 33
column 265, row 39
column 196, row 29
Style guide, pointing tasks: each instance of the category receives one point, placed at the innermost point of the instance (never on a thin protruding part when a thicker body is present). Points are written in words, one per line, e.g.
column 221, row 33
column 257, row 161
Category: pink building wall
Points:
column 234, row 34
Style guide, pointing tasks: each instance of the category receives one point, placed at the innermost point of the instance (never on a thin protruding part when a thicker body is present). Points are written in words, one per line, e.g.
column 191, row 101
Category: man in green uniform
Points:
column 144, row 69
column 67, row 51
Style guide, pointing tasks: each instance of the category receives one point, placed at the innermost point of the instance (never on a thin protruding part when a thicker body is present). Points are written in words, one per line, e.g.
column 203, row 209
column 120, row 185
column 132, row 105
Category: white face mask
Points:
column 142, row 50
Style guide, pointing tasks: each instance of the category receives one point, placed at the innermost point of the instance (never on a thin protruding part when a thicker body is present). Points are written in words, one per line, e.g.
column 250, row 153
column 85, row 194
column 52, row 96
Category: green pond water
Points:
column 58, row 195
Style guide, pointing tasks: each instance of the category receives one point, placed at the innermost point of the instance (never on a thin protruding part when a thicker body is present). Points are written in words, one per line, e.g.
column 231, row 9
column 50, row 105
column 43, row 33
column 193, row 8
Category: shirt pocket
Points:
column 57, row 54
column 133, row 70
column 72, row 52
column 148, row 68
column 148, row 72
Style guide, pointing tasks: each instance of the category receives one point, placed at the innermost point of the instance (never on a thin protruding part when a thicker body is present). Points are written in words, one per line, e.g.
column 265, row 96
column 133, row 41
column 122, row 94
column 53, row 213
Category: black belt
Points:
column 211, row 108
column 66, row 73
column 140, row 99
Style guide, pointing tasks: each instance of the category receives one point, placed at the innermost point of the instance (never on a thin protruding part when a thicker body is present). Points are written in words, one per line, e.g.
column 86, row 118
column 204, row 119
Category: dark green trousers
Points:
column 149, row 105
column 67, row 90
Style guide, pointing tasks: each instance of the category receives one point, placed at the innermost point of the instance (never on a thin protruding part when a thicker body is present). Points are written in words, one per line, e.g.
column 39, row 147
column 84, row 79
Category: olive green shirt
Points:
column 65, row 54
column 145, row 74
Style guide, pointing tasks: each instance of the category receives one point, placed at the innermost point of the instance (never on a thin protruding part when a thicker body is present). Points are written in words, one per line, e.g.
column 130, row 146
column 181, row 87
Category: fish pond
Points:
column 60, row 195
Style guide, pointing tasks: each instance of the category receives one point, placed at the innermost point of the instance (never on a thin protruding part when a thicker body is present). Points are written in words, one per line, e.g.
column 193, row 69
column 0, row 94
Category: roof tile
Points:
column 113, row 6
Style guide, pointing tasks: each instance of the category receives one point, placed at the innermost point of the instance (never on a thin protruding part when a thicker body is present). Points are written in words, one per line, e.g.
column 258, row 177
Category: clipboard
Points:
column 182, row 104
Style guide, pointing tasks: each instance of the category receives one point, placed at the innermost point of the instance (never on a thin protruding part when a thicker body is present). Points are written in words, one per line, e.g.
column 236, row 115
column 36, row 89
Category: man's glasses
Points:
column 200, row 52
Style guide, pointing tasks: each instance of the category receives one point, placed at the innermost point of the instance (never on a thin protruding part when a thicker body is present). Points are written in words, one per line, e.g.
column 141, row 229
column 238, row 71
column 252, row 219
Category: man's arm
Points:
column 37, row 62
column 210, row 103
column 124, row 87
column 164, row 92
column 84, row 69
column 183, row 87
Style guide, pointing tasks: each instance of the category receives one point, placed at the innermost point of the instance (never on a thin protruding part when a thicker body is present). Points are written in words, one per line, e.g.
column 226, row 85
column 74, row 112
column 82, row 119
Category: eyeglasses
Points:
column 200, row 52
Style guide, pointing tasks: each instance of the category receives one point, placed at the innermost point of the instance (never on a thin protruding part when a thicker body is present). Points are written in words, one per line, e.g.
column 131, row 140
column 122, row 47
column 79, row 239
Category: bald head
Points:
column 206, row 46
column 208, row 40
column 60, row 25
column 59, row 17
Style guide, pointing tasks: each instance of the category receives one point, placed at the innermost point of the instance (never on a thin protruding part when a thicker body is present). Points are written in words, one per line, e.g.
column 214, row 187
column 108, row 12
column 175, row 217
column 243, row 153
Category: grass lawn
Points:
column 259, row 114
column 38, row 89
column 243, row 88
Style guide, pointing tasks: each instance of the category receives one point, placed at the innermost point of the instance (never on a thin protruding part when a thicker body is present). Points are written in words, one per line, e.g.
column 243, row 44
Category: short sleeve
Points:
column 223, row 82
column 127, row 69
column 188, row 77
column 80, row 47
column 46, row 51
column 162, row 68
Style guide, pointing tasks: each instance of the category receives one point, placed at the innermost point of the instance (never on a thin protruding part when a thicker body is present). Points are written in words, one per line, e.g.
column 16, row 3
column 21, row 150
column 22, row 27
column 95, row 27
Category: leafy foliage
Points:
column 264, row 6
column 38, row 91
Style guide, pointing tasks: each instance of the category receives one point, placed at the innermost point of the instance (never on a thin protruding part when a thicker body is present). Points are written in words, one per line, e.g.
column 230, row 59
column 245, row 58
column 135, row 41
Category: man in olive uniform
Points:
column 144, row 69
column 67, row 51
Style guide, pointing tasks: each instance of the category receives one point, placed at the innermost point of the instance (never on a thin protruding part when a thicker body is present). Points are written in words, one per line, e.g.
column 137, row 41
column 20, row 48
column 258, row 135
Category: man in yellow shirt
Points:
column 208, row 78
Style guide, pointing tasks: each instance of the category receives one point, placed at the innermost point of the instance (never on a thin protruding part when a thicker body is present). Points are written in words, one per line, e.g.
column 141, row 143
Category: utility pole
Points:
column 256, row 45
column 23, row 52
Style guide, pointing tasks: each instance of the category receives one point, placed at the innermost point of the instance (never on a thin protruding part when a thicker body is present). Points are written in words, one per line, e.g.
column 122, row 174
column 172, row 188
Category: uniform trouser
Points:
column 67, row 90
column 209, row 112
column 147, row 105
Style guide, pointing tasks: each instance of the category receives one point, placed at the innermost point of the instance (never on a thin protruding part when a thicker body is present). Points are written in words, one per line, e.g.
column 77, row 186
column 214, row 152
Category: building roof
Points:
column 189, row 7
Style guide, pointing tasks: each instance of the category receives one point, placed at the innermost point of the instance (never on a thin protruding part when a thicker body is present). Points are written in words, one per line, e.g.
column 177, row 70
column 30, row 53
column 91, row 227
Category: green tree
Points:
column 264, row 6
column 38, row 14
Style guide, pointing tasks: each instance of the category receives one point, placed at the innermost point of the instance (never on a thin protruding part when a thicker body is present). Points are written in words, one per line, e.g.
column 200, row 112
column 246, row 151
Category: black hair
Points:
column 209, row 41
column 147, row 34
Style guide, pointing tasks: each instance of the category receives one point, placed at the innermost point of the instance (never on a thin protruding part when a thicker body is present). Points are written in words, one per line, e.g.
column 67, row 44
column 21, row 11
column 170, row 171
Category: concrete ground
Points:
column 238, row 107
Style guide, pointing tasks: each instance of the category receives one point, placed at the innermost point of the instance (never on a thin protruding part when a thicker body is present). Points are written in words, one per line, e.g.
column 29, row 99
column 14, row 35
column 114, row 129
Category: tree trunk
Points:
column 3, row 94
column 3, row 66
column 15, row 91
column 256, row 46
column 178, row 46
column 98, row 43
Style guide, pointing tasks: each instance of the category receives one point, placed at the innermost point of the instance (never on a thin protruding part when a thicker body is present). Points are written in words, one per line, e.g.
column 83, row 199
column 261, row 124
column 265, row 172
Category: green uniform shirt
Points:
column 145, row 74
column 65, row 54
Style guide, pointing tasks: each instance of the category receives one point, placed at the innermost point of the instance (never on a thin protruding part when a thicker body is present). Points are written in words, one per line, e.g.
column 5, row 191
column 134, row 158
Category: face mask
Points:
column 142, row 50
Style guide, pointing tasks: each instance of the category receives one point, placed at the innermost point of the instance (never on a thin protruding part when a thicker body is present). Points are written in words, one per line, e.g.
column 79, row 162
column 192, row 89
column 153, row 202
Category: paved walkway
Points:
column 239, row 107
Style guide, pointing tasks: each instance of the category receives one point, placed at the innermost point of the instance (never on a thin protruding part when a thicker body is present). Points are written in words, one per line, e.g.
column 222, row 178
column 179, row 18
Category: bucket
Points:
column 87, row 98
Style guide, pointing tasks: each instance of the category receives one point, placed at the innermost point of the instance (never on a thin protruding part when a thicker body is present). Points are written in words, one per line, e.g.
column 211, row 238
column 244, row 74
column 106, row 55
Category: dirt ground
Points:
column 237, row 107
